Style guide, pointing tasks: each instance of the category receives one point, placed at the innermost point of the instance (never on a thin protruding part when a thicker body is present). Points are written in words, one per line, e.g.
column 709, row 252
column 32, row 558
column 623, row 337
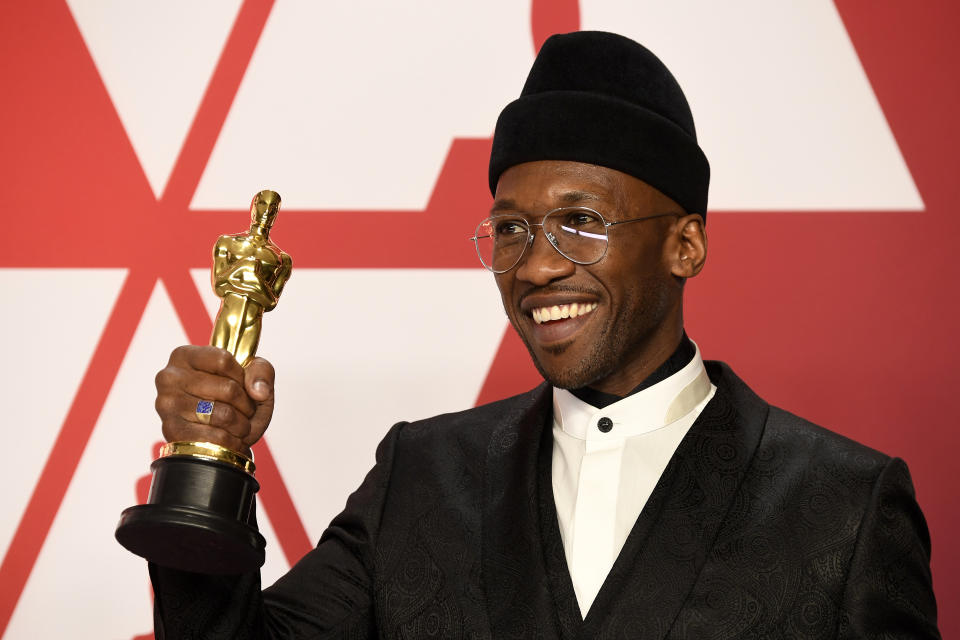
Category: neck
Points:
column 655, row 352
column 680, row 358
column 257, row 229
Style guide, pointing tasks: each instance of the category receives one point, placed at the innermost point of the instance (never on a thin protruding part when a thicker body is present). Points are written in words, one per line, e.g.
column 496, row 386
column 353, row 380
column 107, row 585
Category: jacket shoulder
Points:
column 477, row 423
column 795, row 441
column 818, row 444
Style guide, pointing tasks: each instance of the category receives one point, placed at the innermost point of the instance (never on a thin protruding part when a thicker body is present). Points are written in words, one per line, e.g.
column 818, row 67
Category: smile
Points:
column 562, row 311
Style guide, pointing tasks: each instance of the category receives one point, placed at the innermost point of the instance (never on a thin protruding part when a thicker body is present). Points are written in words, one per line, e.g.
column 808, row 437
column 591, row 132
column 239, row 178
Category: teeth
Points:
column 558, row 312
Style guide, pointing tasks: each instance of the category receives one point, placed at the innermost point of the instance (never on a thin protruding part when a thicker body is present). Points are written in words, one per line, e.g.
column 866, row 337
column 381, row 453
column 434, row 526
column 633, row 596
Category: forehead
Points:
column 555, row 183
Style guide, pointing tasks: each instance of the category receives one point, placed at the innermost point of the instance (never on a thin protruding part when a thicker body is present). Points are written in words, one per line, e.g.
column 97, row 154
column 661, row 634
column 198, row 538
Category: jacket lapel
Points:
column 676, row 529
column 519, row 604
column 558, row 573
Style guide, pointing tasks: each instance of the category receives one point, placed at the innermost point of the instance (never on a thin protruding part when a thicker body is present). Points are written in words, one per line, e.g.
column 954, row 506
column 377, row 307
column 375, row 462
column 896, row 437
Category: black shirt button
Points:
column 605, row 424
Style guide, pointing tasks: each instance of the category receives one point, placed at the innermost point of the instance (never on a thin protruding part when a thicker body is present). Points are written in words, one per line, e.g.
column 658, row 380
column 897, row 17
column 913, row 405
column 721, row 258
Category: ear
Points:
column 687, row 247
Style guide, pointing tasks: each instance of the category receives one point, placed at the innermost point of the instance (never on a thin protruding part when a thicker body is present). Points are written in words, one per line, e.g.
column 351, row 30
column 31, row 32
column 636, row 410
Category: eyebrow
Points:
column 566, row 198
column 503, row 205
column 574, row 197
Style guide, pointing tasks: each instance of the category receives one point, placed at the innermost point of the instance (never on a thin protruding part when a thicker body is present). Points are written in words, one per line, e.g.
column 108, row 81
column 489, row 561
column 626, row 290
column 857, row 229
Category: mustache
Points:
column 553, row 289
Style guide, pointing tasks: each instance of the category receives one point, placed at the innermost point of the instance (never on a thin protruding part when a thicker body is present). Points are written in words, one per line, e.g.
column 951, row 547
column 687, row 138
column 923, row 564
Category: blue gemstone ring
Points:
column 204, row 411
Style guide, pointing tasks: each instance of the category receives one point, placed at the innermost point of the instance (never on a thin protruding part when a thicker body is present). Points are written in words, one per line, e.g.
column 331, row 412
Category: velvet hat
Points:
column 604, row 99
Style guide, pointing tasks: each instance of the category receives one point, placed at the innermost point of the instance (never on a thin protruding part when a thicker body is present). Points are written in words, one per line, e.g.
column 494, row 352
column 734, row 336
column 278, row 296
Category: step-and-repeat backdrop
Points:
column 134, row 133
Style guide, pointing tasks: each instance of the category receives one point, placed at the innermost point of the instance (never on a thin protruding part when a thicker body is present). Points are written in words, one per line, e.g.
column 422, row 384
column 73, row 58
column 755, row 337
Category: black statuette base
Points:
column 196, row 518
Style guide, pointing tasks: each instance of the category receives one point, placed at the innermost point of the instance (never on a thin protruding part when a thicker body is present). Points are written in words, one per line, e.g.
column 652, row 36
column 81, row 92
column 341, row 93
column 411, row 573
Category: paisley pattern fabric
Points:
column 762, row 526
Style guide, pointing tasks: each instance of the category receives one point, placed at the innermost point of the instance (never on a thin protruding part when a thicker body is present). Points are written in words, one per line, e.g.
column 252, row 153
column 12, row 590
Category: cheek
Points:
column 640, row 289
column 505, row 285
column 623, row 275
column 646, row 262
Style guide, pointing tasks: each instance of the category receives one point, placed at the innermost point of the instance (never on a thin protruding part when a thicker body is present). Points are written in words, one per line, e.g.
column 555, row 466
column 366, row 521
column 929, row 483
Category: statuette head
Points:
column 264, row 208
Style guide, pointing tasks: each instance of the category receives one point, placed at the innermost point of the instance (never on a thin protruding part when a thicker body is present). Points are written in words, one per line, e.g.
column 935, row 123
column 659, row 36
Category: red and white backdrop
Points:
column 134, row 133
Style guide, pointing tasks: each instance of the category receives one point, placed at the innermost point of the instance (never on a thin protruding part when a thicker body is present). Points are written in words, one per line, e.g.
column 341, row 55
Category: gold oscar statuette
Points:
column 201, row 494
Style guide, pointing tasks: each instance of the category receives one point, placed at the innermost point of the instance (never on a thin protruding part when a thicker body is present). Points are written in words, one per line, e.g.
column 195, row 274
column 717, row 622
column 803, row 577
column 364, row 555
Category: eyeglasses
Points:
column 579, row 234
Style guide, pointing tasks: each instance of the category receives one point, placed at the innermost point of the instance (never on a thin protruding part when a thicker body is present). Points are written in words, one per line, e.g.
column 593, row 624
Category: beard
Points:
column 624, row 338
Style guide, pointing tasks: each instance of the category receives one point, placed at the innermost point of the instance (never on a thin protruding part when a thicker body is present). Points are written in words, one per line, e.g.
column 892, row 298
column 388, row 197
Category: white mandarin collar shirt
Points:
column 607, row 461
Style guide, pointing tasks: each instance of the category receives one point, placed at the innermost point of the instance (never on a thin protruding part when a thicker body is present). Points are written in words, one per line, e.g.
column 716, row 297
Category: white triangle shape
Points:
column 155, row 58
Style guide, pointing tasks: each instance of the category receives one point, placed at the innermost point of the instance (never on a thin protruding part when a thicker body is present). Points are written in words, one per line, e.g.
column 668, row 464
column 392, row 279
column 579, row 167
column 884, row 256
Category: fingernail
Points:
column 260, row 386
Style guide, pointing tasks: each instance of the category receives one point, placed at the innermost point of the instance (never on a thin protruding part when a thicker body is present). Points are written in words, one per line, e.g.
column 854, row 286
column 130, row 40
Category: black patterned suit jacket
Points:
column 762, row 526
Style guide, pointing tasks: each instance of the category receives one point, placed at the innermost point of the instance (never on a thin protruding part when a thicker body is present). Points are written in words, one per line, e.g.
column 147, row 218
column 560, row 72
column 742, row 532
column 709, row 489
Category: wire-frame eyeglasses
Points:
column 579, row 234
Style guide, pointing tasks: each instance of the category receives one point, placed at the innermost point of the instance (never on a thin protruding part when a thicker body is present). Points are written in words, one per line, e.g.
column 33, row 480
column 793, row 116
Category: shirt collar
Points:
column 652, row 408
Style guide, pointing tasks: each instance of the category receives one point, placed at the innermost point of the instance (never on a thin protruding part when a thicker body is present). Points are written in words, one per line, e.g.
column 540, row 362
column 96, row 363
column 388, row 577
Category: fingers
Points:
column 242, row 399
column 209, row 359
column 205, row 386
column 178, row 430
column 182, row 408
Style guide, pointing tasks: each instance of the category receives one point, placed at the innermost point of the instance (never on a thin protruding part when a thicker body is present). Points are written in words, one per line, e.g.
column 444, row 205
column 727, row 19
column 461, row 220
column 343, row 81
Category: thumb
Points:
column 258, row 379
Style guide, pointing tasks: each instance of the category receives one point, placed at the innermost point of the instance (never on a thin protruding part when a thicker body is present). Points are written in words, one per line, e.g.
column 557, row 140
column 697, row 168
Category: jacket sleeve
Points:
column 329, row 591
column 889, row 590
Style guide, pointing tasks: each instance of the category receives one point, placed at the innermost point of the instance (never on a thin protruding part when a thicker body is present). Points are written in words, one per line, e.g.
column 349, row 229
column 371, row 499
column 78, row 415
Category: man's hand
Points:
column 243, row 398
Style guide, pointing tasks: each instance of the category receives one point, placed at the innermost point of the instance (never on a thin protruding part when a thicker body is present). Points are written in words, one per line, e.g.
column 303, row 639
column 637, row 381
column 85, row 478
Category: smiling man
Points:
column 639, row 492
column 601, row 314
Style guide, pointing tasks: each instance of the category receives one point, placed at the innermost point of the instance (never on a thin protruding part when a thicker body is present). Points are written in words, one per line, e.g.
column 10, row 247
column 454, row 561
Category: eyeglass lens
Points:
column 579, row 234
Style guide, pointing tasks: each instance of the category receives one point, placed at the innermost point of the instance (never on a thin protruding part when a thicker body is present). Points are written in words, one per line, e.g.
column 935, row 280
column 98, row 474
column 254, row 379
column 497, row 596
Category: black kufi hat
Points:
column 604, row 99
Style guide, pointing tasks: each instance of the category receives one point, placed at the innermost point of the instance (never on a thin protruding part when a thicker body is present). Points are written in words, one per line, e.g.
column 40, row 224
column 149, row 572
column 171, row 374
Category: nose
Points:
column 541, row 263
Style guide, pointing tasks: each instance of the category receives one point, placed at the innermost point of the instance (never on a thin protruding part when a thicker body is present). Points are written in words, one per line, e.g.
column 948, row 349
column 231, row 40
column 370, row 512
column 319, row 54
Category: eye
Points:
column 582, row 218
column 509, row 227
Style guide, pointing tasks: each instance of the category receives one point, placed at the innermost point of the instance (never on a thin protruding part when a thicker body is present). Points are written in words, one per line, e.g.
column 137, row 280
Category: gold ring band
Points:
column 208, row 451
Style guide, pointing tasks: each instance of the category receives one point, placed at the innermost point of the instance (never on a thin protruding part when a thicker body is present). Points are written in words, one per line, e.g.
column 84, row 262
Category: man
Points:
column 639, row 493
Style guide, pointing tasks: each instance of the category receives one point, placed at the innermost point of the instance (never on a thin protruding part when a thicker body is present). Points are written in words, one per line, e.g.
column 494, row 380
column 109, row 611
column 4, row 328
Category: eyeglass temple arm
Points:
column 656, row 215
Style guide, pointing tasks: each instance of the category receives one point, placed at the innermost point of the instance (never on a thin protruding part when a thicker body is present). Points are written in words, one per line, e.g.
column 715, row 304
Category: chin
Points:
column 562, row 364
column 569, row 372
column 568, row 379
